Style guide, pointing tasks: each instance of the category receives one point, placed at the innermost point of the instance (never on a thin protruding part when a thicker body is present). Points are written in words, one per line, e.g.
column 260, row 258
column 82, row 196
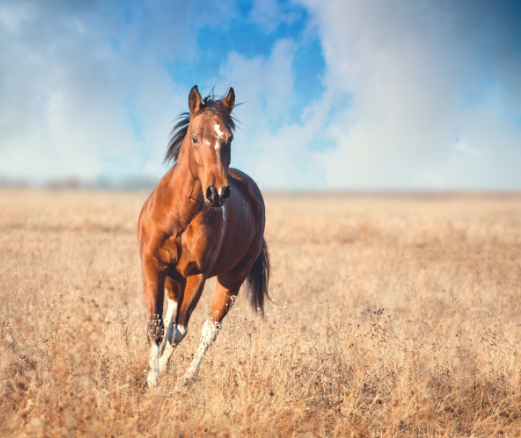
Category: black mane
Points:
column 209, row 103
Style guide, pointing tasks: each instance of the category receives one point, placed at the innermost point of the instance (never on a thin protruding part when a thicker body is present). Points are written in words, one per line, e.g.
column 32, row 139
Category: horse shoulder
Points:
column 156, row 236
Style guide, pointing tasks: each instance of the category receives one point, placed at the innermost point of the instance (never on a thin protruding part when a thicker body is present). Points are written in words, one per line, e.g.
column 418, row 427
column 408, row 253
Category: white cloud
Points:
column 269, row 14
column 75, row 77
column 411, row 78
column 407, row 104
column 417, row 95
column 271, row 151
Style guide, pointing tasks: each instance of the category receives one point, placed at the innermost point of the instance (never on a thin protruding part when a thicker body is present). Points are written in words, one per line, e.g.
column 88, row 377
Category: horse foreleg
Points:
column 220, row 307
column 174, row 290
column 182, row 299
column 167, row 348
column 153, row 286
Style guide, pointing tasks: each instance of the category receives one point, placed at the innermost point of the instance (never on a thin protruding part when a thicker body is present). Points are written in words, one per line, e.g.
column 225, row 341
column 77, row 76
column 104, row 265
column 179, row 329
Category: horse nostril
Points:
column 227, row 191
column 210, row 193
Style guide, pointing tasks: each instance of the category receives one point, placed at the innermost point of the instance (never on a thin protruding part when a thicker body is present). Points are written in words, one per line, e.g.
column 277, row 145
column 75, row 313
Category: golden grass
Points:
column 395, row 316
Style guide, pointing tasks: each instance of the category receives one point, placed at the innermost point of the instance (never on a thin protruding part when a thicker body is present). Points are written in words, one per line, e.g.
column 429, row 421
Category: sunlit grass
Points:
column 393, row 316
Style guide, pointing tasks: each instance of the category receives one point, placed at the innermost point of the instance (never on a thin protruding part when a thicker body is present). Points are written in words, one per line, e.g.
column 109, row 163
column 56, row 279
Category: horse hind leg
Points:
column 228, row 285
column 220, row 306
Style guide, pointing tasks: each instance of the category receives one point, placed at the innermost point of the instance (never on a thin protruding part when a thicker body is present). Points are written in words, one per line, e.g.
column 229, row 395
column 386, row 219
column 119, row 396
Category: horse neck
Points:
column 185, row 189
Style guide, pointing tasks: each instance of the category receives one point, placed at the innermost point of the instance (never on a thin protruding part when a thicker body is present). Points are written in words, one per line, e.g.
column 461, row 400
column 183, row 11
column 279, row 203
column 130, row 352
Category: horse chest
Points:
column 196, row 251
column 188, row 264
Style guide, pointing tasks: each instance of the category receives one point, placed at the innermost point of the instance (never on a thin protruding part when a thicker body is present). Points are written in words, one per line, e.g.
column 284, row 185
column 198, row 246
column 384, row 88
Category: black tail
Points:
column 258, row 279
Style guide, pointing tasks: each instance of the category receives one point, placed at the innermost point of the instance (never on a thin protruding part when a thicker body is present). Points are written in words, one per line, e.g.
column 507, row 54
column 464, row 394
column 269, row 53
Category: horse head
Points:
column 210, row 135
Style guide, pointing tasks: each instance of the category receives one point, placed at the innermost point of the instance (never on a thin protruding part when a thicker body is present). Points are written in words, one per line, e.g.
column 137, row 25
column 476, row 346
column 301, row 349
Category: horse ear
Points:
column 194, row 100
column 229, row 100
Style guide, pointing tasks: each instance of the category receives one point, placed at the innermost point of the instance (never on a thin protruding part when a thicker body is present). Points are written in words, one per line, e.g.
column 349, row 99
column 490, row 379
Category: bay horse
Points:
column 204, row 219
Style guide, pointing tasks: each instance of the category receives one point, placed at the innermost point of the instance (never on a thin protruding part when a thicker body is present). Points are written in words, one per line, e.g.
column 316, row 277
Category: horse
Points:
column 203, row 219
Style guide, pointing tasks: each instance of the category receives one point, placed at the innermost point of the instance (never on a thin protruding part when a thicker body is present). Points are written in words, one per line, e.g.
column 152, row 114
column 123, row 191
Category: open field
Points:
column 394, row 316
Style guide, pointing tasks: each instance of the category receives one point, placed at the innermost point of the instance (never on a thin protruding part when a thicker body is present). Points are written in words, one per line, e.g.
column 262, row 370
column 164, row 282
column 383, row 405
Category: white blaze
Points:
column 219, row 133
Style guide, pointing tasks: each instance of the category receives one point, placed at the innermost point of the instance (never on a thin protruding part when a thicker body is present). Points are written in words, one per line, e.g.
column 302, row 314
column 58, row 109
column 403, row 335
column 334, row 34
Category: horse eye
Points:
column 195, row 140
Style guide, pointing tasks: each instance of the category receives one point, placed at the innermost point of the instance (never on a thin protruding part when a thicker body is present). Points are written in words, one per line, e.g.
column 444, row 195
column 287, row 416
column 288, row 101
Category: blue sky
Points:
column 340, row 94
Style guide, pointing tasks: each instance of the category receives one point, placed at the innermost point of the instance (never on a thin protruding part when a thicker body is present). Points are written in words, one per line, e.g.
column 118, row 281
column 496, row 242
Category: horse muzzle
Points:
column 214, row 198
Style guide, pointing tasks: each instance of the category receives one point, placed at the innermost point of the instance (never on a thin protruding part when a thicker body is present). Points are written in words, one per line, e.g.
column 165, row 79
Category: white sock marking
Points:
column 171, row 312
column 153, row 375
column 180, row 333
column 175, row 335
column 208, row 336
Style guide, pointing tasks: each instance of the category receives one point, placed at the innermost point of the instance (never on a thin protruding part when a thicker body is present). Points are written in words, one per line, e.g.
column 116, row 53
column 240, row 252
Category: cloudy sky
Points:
column 339, row 94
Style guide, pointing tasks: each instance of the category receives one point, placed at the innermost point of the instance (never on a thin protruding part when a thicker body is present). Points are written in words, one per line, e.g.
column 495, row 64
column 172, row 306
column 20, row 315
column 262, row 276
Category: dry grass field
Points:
column 393, row 316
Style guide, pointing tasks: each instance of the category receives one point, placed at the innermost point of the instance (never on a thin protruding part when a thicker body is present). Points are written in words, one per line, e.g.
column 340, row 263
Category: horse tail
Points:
column 258, row 279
